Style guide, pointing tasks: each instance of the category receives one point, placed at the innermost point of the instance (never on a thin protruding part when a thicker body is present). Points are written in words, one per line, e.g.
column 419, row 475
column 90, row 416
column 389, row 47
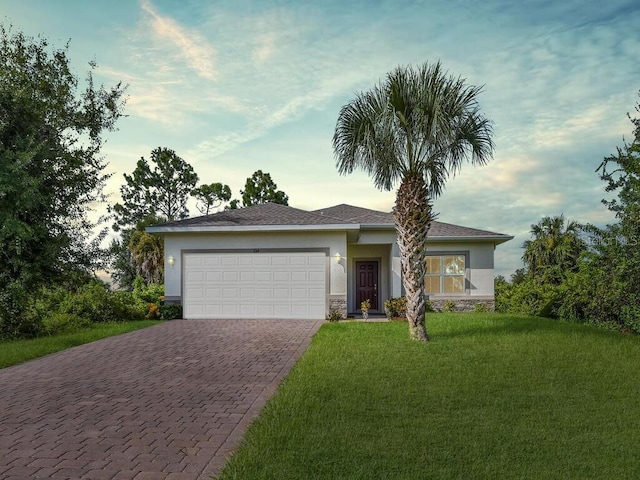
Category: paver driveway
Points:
column 169, row 401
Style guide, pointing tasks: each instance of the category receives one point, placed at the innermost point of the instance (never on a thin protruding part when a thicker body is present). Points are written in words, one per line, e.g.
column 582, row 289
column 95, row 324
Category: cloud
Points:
column 192, row 46
column 264, row 49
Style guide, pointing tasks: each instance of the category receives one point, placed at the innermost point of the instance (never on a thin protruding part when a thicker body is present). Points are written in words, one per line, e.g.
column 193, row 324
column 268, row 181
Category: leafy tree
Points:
column 161, row 191
column 211, row 196
column 260, row 188
column 555, row 248
column 51, row 171
column 415, row 128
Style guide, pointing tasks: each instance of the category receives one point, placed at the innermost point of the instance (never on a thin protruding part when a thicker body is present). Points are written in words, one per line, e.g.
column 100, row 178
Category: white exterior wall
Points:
column 176, row 244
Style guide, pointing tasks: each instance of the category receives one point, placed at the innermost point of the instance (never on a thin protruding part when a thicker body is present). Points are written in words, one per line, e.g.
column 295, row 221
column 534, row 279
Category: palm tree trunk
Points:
column 413, row 216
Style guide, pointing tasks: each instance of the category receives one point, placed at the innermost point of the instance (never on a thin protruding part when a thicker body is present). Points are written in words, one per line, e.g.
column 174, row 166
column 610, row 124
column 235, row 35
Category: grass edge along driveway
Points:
column 13, row 352
column 492, row 396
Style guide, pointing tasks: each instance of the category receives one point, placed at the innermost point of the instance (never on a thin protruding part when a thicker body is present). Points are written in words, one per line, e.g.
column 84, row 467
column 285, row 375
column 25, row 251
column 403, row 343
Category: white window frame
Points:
column 442, row 274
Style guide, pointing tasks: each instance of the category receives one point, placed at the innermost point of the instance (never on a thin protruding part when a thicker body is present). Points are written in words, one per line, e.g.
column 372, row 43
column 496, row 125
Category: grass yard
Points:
column 19, row 351
column 491, row 396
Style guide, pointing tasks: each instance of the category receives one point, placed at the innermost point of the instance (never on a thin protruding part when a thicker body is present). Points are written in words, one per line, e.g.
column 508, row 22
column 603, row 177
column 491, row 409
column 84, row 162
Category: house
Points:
column 276, row 261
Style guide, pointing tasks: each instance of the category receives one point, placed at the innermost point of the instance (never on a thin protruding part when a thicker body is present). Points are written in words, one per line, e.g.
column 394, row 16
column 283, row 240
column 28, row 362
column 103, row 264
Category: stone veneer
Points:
column 463, row 304
column 338, row 303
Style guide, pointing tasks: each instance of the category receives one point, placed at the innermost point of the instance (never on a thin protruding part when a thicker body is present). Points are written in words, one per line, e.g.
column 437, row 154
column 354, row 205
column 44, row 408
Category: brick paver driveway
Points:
column 169, row 401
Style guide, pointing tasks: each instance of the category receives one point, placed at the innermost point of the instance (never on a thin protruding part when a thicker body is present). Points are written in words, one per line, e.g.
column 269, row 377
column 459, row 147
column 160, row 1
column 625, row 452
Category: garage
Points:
column 254, row 285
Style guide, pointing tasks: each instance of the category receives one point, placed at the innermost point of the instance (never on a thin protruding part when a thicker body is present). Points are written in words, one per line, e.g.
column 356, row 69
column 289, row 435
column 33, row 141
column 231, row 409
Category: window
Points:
column 445, row 274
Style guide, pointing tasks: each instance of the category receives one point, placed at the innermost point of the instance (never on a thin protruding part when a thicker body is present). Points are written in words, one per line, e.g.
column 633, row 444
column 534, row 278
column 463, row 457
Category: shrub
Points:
column 170, row 312
column 18, row 319
column 449, row 306
column 63, row 322
column 335, row 316
column 480, row 307
column 396, row 307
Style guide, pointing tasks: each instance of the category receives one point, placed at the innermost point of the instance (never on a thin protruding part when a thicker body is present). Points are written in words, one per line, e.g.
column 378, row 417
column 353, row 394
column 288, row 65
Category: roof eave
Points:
column 249, row 228
column 495, row 239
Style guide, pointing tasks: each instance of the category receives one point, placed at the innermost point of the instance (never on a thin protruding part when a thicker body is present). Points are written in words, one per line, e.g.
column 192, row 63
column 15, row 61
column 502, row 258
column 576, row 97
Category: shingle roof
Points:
column 365, row 216
column 264, row 214
column 272, row 214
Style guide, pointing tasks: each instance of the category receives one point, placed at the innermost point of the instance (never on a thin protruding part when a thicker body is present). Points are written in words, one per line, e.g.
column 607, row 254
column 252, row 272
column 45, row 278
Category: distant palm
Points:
column 555, row 248
column 416, row 127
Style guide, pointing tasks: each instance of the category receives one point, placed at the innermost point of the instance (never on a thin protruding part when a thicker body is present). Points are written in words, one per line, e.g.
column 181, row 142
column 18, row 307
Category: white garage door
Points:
column 254, row 285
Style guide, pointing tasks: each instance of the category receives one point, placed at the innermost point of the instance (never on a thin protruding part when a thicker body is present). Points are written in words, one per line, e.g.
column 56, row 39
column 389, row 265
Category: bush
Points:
column 396, row 307
column 449, row 306
column 335, row 316
column 17, row 316
column 480, row 307
column 63, row 322
column 170, row 312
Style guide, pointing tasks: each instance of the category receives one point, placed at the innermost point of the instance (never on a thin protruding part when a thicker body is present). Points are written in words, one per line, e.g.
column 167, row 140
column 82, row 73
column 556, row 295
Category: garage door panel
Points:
column 299, row 277
column 195, row 276
column 228, row 276
column 211, row 262
column 281, row 277
column 254, row 285
column 264, row 277
column 214, row 276
column 247, row 293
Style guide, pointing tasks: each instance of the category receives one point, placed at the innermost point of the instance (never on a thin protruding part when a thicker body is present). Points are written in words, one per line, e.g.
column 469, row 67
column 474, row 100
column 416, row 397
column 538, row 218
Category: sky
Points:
column 241, row 85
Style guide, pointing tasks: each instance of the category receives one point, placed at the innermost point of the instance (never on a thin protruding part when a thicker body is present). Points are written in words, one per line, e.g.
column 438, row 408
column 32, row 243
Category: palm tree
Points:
column 416, row 127
column 147, row 255
column 555, row 248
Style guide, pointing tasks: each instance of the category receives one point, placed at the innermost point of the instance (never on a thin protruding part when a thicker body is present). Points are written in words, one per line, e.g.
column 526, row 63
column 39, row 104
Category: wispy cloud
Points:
column 194, row 48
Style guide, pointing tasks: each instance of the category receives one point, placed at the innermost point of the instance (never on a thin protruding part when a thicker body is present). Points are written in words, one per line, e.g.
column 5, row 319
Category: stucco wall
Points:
column 333, row 242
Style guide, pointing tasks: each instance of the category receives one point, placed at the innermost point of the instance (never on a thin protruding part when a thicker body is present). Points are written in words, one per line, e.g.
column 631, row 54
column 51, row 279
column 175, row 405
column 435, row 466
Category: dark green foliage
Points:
column 211, row 196
column 260, row 188
column 127, row 260
column 158, row 191
column 585, row 273
column 170, row 312
column 57, row 309
column 554, row 250
column 51, row 171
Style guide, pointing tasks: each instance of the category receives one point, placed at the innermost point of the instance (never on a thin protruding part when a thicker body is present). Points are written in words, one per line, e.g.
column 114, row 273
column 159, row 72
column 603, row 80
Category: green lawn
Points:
column 492, row 396
column 18, row 351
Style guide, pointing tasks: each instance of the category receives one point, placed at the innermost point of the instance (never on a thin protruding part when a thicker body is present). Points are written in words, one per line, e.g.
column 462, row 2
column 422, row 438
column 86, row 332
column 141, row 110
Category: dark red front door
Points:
column 367, row 283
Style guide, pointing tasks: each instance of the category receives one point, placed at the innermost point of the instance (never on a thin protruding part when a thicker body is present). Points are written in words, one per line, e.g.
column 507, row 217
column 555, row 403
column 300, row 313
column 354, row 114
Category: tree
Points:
column 123, row 267
column 147, row 254
column 260, row 188
column 555, row 249
column 416, row 127
column 617, row 244
column 211, row 196
column 159, row 192
column 51, row 171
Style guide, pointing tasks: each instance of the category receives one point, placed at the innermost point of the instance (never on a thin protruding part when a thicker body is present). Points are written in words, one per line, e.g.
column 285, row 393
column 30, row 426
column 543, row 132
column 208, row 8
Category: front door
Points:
column 367, row 283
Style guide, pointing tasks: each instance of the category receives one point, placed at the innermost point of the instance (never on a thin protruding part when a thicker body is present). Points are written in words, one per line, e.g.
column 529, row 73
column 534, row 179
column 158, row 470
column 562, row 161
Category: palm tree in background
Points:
column 416, row 128
column 555, row 248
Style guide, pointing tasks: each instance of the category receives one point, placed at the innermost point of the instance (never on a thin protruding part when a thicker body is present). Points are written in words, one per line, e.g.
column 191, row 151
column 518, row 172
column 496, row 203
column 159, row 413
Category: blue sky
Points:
column 237, row 86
